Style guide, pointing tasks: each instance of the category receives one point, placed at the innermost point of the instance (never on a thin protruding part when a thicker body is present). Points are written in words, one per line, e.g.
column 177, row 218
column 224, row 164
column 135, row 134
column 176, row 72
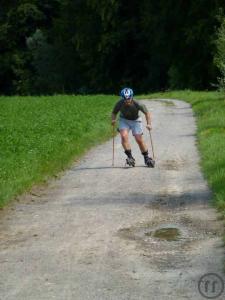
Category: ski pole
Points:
column 113, row 133
column 153, row 155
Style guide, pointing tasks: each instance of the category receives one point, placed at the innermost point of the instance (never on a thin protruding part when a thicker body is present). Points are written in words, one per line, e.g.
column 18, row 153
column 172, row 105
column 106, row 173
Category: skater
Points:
column 130, row 120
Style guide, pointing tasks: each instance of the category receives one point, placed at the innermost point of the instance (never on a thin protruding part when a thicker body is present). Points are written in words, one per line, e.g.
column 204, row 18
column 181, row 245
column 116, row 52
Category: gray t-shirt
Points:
column 129, row 112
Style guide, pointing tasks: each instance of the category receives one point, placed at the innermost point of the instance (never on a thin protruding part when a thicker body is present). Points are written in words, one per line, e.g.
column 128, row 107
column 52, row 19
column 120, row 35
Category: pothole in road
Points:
column 172, row 165
column 175, row 231
column 161, row 233
column 170, row 200
column 162, row 244
column 168, row 241
column 168, row 103
column 167, row 234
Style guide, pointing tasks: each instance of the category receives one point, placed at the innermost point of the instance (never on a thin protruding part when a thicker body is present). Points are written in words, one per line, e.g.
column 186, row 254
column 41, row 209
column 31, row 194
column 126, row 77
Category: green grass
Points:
column 40, row 136
column 209, row 109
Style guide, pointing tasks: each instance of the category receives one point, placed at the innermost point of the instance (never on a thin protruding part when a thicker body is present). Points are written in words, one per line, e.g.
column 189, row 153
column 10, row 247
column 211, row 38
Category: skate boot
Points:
column 130, row 161
column 149, row 162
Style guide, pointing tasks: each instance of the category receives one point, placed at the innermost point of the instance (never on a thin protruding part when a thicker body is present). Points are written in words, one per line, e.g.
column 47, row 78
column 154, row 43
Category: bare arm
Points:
column 147, row 114
column 115, row 111
column 113, row 118
column 148, row 120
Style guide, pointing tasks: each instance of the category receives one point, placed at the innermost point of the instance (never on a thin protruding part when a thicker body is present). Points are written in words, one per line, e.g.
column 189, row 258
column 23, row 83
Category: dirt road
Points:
column 118, row 233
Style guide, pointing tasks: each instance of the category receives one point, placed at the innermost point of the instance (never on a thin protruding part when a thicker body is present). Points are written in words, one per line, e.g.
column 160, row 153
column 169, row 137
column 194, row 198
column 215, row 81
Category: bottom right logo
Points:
column 211, row 285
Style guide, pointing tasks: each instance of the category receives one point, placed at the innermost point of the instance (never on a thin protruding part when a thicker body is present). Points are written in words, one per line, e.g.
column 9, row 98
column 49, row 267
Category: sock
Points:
column 128, row 153
column 145, row 153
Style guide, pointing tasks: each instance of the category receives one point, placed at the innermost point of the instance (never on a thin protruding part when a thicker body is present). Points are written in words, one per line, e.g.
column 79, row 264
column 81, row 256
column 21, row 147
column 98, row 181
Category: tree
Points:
column 219, row 59
column 20, row 17
column 94, row 46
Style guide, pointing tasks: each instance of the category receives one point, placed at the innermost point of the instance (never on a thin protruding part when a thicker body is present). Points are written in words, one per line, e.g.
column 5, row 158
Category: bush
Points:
column 219, row 59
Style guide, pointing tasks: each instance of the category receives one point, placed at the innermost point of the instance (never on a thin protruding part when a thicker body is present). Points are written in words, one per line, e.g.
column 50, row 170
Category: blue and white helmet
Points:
column 127, row 93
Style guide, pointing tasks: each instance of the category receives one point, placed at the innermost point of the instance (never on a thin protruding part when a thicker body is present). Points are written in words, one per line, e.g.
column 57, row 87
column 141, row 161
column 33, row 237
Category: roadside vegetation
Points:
column 209, row 109
column 39, row 136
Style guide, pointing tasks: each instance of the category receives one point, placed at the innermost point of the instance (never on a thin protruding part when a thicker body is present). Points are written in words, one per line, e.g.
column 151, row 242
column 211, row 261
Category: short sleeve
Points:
column 141, row 107
column 117, row 107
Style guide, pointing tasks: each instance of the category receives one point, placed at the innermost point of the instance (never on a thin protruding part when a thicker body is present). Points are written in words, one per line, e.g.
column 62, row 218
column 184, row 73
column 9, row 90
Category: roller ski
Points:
column 149, row 162
column 130, row 161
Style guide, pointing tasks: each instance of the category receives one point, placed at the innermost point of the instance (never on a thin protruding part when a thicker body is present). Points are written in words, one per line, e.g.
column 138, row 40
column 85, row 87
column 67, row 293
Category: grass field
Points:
column 209, row 109
column 39, row 136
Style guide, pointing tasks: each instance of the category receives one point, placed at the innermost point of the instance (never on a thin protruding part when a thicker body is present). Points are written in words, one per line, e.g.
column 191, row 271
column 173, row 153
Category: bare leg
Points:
column 140, row 141
column 144, row 150
column 124, row 133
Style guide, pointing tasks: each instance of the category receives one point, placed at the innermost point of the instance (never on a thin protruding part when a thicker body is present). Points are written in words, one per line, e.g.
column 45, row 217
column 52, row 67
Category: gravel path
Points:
column 117, row 233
